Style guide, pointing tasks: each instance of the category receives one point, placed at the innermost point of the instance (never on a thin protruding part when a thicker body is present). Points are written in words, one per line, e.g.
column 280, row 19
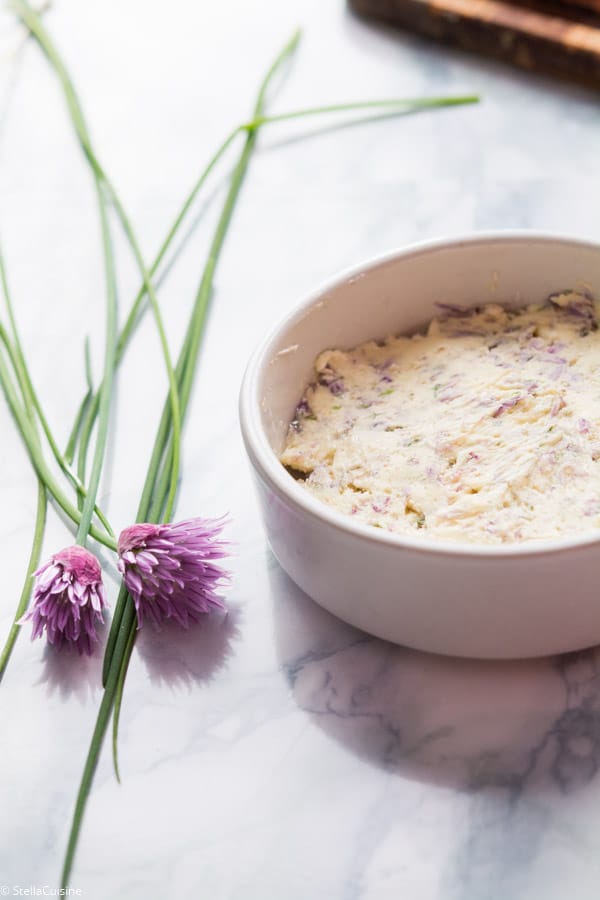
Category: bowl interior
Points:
column 400, row 294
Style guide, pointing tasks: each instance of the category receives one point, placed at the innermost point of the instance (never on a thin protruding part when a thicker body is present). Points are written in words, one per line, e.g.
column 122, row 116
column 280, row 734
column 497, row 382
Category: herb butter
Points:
column 484, row 429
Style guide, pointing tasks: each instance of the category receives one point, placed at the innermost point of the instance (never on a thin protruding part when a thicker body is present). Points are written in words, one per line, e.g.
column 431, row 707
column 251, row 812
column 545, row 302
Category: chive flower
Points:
column 68, row 599
column 170, row 569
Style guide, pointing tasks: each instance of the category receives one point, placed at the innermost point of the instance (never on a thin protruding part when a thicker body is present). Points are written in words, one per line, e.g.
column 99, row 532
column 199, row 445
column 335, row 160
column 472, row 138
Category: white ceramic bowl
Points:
column 511, row 600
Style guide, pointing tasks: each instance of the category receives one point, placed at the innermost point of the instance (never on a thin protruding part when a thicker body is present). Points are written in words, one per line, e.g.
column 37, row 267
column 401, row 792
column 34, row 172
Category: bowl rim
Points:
column 267, row 464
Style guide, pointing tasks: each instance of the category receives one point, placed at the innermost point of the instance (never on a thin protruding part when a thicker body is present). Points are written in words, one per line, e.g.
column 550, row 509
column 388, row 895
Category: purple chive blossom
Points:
column 557, row 404
column 170, row 570
column 68, row 599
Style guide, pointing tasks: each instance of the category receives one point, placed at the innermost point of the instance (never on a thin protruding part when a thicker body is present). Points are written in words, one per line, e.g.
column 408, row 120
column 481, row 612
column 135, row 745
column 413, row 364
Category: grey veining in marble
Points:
column 273, row 753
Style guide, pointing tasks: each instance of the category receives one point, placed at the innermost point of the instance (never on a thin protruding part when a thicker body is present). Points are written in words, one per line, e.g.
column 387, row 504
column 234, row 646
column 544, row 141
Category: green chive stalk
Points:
column 30, row 438
column 127, row 623
column 89, row 501
column 186, row 367
column 31, row 400
column 34, row 561
column 42, row 499
column 36, row 28
column 152, row 502
column 83, row 406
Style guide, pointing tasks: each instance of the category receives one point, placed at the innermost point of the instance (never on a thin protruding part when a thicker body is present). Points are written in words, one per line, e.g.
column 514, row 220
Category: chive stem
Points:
column 98, row 735
column 32, row 21
column 75, row 430
column 89, row 502
column 193, row 335
column 32, row 403
column 393, row 104
column 29, row 436
column 34, row 560
column 124, row 633
column 119, row 697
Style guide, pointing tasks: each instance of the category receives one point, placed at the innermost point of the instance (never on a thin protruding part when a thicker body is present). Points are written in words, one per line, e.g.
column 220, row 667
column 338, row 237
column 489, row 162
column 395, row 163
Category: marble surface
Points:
column 273, row 752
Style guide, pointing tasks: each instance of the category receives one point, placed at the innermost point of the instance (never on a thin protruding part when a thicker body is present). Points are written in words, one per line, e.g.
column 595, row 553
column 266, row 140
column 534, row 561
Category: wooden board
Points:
column 561, row 37
column 583, row 4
